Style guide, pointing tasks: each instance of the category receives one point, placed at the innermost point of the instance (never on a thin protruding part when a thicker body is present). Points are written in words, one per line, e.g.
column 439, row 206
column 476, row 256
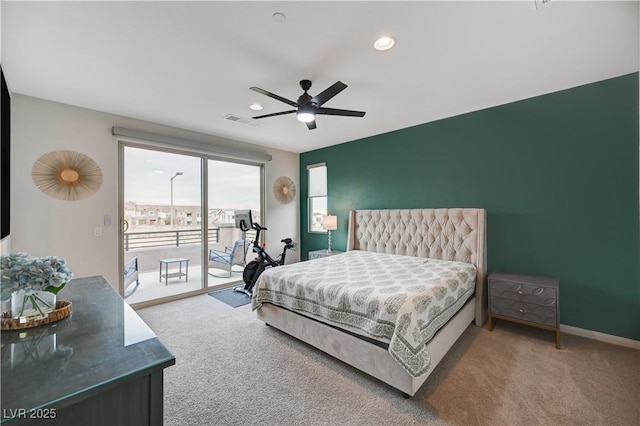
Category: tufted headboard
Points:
column 448, row 234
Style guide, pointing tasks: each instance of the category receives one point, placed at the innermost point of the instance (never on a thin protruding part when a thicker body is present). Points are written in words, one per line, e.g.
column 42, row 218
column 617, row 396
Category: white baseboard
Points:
column 609, row 338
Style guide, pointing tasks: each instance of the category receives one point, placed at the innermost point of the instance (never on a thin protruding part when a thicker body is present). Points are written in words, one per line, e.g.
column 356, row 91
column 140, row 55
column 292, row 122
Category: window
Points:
column 317, row 196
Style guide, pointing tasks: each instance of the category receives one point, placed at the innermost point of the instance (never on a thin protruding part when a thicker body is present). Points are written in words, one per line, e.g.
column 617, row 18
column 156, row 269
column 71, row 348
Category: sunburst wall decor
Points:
column 284, row 190
column 67, row 175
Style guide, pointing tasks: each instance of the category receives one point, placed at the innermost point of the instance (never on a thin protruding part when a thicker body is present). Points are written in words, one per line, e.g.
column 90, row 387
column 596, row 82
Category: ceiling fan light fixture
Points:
column 384, row 43
column 305, row 114
column 306, row 117
column 307, row 106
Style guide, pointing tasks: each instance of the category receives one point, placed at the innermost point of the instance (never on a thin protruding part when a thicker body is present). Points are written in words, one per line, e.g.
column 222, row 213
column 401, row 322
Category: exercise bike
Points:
column 263, row 261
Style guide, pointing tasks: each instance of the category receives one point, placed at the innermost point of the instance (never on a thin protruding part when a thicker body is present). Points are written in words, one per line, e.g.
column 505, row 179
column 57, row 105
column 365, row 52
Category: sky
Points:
column 147, row 180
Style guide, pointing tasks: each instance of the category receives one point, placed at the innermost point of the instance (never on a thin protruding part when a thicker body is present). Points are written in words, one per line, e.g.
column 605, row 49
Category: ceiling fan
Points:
column 308, row 107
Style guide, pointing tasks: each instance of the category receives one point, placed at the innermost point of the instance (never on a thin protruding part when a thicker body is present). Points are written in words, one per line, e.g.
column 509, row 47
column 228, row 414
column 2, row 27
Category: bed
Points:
column 410, row 283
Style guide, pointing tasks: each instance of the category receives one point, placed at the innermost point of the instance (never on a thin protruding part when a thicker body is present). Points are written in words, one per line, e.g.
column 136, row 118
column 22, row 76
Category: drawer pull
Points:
column 520, row 292
column 521, row 310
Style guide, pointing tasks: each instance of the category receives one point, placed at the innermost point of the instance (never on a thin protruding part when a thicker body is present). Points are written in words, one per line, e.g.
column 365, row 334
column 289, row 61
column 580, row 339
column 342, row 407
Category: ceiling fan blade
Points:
column 329, row 93
column 274, row 96
column 311, row 124
column 344, row 112
column 274, row 114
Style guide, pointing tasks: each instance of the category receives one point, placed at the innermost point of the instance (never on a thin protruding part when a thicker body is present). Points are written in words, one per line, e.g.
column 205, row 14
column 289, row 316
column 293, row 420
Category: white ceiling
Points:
column 188, row 65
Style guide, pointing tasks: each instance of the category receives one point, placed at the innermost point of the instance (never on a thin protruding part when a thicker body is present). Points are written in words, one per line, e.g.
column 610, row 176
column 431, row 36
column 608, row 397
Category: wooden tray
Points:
column 63, row 310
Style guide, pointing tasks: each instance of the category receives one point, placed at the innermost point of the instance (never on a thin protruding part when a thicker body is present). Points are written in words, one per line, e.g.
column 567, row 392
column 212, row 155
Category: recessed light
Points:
column 279, row 17
column 384, row 43
column 255, row 107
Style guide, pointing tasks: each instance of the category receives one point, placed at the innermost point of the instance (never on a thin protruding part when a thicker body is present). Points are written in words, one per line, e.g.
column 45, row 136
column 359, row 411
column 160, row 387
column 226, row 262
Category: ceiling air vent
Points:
column 243, row 120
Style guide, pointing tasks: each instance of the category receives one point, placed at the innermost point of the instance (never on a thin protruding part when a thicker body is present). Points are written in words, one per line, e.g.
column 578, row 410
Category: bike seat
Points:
column 287, row 241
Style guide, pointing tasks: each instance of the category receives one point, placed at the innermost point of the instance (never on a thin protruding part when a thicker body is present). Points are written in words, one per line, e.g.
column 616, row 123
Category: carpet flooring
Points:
column 231, row 369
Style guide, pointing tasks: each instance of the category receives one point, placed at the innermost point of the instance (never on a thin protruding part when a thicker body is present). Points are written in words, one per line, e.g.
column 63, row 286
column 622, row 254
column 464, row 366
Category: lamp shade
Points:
column 330, row 222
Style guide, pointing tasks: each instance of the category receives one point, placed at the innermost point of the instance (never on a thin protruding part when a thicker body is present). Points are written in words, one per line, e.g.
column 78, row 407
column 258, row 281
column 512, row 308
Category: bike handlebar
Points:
column 289, row 244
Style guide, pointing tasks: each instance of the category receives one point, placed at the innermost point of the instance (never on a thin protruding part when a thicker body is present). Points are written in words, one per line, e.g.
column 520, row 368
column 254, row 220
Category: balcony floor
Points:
column 150, row 287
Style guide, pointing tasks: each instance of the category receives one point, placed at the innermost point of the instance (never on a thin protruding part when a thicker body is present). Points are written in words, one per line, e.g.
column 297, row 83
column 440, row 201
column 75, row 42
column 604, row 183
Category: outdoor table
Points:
column 179, row 274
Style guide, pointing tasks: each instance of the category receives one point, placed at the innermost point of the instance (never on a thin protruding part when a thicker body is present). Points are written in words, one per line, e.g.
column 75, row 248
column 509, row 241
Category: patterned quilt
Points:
column 398, row 300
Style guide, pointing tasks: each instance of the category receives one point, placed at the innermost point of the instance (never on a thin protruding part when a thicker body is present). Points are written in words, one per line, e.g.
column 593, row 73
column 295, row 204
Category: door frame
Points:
column 204, row 186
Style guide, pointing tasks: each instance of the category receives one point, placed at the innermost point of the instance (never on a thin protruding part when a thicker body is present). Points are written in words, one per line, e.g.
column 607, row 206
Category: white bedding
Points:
column 398, row 300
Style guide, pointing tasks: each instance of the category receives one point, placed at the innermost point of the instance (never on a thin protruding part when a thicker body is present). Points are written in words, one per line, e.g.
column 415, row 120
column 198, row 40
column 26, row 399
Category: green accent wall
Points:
column 557, row 174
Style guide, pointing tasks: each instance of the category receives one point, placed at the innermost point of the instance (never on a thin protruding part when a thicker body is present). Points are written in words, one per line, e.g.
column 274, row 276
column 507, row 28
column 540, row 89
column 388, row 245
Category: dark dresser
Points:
column 101, row 366
column 525, row 299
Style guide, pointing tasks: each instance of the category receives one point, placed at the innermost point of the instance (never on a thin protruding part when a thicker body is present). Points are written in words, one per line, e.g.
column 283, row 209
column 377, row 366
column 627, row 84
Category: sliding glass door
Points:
column 179, row 234
column 162, row 238
column 231, row 187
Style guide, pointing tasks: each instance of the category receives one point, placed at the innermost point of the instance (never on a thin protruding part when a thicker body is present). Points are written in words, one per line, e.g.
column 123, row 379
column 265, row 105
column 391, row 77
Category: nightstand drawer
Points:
column 535, row 294
column 538, row 314
column 528, row 299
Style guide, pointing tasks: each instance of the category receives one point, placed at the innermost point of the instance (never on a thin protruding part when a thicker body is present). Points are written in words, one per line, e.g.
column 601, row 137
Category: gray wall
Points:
column 41, row 225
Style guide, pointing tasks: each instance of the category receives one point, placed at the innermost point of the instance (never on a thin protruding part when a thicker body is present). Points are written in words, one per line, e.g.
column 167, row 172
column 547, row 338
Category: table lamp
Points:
column 330, row 224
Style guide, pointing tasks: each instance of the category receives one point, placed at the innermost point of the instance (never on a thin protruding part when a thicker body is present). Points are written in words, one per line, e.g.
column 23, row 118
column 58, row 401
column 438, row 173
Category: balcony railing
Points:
column 176, row 238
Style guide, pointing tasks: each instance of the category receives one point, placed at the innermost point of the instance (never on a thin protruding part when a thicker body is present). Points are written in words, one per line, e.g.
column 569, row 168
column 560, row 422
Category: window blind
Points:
column 209, row 149
column 317, row 180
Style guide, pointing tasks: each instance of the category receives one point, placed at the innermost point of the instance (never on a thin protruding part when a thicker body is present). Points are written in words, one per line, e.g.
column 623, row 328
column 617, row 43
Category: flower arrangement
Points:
column 18, row 272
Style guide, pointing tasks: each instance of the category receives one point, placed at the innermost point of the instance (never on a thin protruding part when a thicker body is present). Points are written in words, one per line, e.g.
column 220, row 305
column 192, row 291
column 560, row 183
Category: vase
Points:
column 32, row 305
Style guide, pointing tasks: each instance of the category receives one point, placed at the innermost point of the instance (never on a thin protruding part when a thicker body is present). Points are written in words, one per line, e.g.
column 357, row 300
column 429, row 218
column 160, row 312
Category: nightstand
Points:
column 318, row 254
column 525, row 299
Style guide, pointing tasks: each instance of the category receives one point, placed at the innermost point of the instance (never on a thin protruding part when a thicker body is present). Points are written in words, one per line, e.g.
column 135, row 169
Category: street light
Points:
column 172, row 212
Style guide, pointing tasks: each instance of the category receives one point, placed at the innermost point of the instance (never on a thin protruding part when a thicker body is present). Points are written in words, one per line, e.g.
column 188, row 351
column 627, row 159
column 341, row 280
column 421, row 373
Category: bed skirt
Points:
column 363, row 355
